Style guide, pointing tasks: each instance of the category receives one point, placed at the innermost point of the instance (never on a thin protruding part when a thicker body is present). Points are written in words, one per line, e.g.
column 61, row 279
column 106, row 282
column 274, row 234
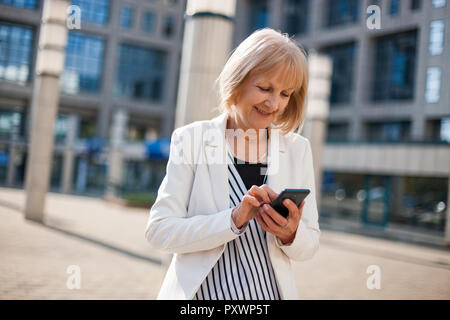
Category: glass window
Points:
column 342, row 12
column 445, row 130
column 148, row 22
column 142, row 179
column 394, row 7
column 343, row 57
column 337, row 131
column 436, row 45
column 296, row 14
column 87, row 128
column 83, row 65
column 416, row 4
column 15, row 52
column 61, row 127
column 439, row 3
column 90, row 175
column 433, row 85
column 126, row 17
column 141, row 73
column 389, row 131
column 137, row 132
column 438, row 130
column 394, row 67
column 342, row 196
column 25, row 4
column 259, row 15
column 96, row 12
column 169, row 26
column 420, row 202
column 10, row 122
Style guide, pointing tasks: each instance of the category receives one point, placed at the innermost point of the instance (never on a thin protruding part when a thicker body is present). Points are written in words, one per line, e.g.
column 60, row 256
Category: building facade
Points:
column 386, row 163
column 122, row 57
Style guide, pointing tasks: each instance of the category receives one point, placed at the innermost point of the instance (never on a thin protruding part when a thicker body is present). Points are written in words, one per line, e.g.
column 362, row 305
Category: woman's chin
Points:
column 260, row 124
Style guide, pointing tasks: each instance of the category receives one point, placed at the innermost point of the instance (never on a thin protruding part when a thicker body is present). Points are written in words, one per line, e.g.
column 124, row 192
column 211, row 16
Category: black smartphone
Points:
column 296, row 195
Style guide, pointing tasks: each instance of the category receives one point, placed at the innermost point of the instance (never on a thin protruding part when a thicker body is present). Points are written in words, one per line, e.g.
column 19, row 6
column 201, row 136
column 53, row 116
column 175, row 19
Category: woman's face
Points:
column 263, row 97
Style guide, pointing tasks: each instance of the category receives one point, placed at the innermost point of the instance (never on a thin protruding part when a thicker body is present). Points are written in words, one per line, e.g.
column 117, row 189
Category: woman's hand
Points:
column 281, row 227
column 247, row 209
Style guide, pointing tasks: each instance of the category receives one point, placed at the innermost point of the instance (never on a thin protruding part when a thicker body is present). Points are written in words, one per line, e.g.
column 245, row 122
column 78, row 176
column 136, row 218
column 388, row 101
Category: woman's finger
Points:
column 262, row 223
column 278, row 218
column 269, row 222
column 260, row 193
column 293, row 210
column 250, row 200
column 272, row 194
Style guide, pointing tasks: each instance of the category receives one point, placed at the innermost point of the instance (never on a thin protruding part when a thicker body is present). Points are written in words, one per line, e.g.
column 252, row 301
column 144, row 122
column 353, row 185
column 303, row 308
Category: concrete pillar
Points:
column 44, row 105
column 69, row 154
column 206, row 46
column 320, row 68
column 11, row 171
column 447, row 222
column 115, row 167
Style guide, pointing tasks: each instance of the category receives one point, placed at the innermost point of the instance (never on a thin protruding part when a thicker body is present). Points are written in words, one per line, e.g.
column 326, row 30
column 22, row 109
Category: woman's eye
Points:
column 268, row 89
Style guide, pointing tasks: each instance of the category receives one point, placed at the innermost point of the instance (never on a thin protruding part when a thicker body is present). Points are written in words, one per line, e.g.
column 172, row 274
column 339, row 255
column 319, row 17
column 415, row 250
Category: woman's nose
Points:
column 272, row 103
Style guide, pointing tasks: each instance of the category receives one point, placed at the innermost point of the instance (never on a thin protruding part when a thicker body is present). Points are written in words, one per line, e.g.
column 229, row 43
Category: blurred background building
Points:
column 386, row 163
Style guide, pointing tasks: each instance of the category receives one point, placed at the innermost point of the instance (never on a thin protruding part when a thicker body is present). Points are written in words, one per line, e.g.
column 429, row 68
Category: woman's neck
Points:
column 248, row 144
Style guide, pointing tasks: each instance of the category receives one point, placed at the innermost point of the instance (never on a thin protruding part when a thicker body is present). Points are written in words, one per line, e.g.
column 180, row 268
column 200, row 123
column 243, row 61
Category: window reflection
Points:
column 15, row 52
column 169, row 26
column 389, row 131
column 126, row 17
column 141, row 73
column 337, row 131
column 96, row 12
column 382, row 201
column 83, row 65
column 343, row 57
column 342, row 196
column 296, row 13
column 394, row 67
column 149, row 22
column 259, row 15
column 420, row 202
column 341, row 12
column 25, row 4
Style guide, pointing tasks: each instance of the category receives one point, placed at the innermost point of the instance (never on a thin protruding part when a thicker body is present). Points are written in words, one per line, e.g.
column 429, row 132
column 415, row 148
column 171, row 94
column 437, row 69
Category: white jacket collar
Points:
column 220, row 122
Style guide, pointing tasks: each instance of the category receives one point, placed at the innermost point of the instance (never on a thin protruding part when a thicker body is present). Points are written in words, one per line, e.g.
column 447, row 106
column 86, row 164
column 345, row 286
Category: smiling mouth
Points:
column 262, row 111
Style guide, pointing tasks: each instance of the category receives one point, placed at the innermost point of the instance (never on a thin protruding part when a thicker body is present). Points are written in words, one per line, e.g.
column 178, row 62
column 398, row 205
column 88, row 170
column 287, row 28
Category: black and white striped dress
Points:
column 244, row 271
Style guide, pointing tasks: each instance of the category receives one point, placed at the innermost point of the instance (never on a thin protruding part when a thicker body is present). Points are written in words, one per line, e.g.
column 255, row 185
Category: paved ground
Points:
column 107, row 242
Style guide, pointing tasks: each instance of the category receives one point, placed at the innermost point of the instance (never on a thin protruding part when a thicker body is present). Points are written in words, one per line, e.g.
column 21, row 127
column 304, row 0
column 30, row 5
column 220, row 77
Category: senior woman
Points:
column 213, row 208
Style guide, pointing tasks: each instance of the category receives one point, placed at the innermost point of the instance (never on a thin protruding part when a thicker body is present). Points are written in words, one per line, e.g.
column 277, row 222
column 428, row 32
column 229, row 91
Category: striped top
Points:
column 244, row 271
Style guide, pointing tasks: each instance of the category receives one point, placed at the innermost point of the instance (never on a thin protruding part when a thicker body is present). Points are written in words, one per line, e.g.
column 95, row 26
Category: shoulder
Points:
column 295, row 141
column 191, row 127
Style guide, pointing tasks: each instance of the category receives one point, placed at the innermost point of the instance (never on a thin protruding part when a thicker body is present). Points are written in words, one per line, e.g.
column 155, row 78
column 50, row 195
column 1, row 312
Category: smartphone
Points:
column 296, row 195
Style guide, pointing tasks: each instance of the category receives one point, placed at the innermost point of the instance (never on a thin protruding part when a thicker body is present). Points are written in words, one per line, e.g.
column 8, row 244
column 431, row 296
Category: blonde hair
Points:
column 265, row 51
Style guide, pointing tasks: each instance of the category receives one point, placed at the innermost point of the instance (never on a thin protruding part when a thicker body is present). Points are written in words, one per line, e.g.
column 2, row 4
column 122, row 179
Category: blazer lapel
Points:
column 217, row 161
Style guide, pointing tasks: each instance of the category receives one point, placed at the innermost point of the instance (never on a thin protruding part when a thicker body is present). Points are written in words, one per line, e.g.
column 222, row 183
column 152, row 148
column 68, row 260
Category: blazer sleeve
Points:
column 168, row 227
column 306, row 241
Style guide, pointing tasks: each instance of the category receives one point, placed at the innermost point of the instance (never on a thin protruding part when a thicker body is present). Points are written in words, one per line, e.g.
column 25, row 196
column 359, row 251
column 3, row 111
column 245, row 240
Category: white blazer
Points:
column 191, row 217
